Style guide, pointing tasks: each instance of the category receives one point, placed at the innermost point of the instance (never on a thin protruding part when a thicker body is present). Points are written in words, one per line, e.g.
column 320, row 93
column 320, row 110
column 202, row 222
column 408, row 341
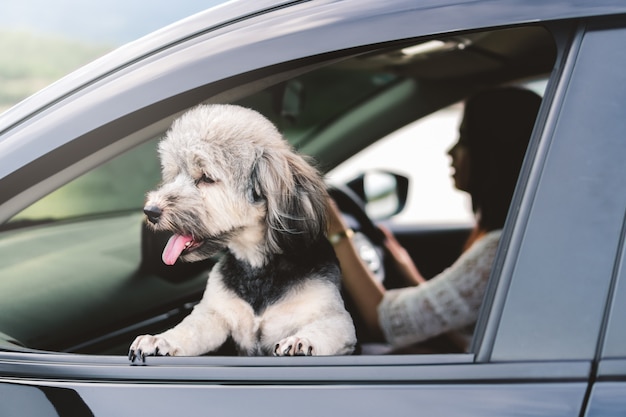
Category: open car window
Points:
column 80, row 273
column 116, row 186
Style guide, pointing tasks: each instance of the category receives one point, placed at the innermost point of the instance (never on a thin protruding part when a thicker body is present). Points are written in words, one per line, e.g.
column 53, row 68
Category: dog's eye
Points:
column 205, row 179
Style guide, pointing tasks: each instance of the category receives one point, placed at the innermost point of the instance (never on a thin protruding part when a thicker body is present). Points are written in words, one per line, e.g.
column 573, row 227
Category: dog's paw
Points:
column 294, row 346
column 148, row 345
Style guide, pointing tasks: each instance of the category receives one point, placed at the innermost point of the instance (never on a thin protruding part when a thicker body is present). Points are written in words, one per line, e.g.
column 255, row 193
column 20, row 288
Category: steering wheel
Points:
column 352, row 205
column 368, row 238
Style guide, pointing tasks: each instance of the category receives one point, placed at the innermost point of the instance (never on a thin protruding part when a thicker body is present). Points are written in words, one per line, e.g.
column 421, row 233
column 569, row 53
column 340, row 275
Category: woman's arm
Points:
column 403, row 262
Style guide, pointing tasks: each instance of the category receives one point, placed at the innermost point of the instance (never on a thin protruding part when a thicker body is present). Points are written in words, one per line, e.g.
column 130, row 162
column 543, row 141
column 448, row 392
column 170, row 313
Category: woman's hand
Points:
column 336, row 223
column 402, row 259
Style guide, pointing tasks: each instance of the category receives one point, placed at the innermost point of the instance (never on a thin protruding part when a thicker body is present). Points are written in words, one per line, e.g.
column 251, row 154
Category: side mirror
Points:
column 383, row 193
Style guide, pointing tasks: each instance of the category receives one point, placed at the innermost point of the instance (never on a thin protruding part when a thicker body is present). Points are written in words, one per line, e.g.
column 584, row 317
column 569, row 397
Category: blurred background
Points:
column 42, row 40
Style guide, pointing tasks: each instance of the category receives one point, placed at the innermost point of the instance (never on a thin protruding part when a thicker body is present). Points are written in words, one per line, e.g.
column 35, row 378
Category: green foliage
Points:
column 29, row 62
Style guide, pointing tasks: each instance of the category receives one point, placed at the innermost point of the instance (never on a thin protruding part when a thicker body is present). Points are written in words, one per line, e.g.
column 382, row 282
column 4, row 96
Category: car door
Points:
column 530, row 357
column 608, row 391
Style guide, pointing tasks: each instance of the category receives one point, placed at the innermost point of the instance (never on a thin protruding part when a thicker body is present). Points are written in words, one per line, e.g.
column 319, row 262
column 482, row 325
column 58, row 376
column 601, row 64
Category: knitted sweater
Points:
column 448, row 302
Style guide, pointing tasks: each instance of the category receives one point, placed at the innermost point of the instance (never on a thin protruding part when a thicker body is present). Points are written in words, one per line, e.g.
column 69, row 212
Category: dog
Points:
column 231, row 185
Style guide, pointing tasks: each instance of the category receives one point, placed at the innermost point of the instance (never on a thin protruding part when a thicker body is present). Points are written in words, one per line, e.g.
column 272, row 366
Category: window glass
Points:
column 42, row 42
column 117, row 185
column 419, row 152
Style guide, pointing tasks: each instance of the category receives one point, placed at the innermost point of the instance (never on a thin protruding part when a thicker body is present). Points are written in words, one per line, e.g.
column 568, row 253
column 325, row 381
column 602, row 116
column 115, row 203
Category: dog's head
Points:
column 231, row 181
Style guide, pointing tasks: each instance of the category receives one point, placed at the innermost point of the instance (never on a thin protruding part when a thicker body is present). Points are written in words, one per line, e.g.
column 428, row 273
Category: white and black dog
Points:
column 232, row 184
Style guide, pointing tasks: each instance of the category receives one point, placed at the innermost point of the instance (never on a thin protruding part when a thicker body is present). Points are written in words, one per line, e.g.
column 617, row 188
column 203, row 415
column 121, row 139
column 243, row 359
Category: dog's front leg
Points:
column 312, row 321
column 201, row 332
column 333, row 336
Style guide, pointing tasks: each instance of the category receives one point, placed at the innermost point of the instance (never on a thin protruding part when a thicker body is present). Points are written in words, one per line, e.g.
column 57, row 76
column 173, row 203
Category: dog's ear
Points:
column 296, row 198
column 254, row 187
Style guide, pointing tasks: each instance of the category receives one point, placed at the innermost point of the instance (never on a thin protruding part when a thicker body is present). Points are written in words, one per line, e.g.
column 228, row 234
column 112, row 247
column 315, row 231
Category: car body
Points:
column 78, row 281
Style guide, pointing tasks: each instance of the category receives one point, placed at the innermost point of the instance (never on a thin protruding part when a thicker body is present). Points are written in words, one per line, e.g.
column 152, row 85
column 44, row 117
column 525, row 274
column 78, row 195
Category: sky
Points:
column 110, row 22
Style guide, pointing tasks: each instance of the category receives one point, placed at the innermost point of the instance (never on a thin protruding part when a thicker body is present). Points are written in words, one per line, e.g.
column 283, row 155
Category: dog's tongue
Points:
column 174, row 248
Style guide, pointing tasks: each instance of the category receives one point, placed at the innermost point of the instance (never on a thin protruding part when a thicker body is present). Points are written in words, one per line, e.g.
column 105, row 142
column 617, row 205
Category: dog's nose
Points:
column 153, row 213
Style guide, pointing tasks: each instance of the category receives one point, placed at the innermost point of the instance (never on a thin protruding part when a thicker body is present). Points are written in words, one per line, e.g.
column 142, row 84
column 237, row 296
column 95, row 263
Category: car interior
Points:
column 81, row 272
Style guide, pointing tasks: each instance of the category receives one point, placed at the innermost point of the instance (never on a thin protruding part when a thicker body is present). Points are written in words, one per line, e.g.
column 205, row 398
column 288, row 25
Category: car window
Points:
column 336, row 113
column 418, row 151
column 118, row 185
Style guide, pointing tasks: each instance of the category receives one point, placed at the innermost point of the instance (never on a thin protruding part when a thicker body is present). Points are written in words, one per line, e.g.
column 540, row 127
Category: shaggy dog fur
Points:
column 233, row 185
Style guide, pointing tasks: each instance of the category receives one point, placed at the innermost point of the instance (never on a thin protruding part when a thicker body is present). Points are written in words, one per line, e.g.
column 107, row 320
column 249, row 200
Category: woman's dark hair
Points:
column 496, row 128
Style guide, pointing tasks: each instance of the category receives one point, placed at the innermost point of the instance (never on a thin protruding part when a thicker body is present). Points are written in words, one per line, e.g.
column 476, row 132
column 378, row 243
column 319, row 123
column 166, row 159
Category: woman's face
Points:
column 460, row 162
